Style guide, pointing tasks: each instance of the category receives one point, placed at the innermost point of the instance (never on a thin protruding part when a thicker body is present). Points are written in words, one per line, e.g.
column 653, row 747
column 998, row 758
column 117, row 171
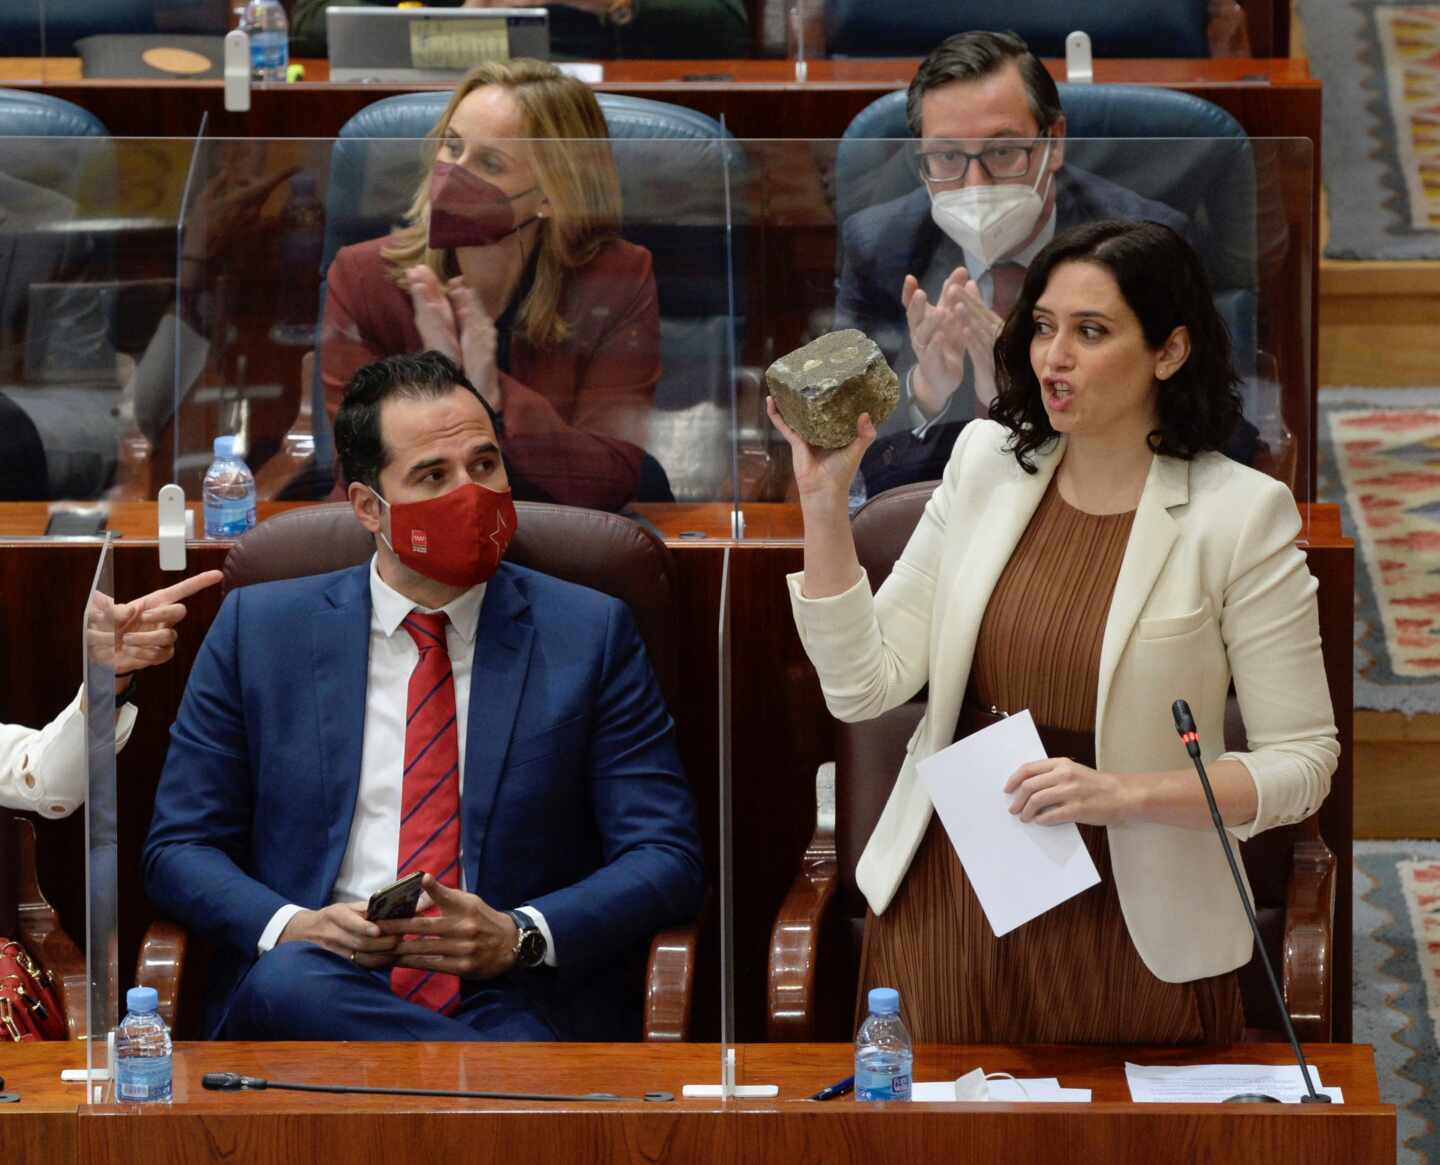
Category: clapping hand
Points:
column 451, row 321
column 943, row 335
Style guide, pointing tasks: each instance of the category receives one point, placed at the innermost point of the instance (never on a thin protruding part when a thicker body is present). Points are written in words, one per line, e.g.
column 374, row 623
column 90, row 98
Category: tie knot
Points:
column 427, row 628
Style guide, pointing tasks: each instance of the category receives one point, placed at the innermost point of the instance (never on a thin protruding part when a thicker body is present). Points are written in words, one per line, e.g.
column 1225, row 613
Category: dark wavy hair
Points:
column 1162, row 281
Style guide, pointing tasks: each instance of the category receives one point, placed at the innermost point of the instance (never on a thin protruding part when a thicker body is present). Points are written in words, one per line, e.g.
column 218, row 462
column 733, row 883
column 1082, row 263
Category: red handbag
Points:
column 29, row 1009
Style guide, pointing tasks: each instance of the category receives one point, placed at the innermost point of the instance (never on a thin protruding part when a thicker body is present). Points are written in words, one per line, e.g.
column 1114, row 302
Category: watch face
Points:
column 532, row 947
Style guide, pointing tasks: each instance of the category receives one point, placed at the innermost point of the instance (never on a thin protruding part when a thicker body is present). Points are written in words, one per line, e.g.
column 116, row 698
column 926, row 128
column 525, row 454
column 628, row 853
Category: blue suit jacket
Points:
column 884, row 243
column 574, row 800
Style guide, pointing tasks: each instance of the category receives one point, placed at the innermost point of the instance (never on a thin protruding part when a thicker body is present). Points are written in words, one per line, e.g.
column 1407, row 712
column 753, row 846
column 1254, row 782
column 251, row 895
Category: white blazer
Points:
column 1212, row 588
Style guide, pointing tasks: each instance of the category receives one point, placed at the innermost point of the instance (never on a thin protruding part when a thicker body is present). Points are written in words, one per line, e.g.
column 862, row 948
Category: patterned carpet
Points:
column 1380, row 64
column 1379, row 458
column 1397, row 983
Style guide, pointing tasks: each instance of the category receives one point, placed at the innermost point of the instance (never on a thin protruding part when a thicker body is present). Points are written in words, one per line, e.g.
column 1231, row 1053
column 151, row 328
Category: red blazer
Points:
column 575, row 414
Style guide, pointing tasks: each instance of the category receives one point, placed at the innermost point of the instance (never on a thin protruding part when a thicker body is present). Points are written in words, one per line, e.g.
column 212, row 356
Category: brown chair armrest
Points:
column 42, row 935
column 795, row 937
column 1309, row 933
column 670, row 983
column 161, row 965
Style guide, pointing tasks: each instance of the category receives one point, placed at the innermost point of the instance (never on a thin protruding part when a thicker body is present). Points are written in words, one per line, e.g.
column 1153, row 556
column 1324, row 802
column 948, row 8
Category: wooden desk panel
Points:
column 1271, row 98
column 781, row 728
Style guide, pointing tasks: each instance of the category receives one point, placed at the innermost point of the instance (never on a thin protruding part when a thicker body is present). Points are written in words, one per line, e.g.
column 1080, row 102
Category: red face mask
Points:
column 467, row 211
column 458, row 538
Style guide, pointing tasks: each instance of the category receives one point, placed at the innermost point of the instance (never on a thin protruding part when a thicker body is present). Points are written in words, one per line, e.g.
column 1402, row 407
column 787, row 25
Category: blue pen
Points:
column 839, row 1088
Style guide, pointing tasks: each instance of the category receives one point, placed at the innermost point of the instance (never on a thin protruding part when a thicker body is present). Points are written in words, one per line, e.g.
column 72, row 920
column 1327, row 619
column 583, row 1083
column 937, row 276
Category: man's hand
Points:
column 342, row 929
column 977, row 327
column 936, row 340
column 434, row 317
column 466, row 938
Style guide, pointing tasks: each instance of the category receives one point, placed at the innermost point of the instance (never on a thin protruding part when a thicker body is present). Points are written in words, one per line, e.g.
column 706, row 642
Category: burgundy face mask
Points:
column 467, row 211
column 458, row 538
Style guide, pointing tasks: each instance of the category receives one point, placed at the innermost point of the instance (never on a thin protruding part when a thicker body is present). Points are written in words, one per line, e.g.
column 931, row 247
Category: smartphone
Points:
column 397, row 900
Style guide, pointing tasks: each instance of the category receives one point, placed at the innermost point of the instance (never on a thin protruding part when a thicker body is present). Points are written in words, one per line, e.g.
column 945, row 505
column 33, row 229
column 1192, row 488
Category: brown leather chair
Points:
column 821, row 921
column 599, row 550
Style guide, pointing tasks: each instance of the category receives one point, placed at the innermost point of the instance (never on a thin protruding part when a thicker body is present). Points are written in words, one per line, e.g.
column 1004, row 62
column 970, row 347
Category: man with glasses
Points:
column 929, row 276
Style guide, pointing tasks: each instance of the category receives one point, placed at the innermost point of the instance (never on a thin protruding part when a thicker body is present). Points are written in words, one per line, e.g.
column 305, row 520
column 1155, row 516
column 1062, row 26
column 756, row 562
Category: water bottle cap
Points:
column 884, row 1001
column 225, row 446
column 142, row 999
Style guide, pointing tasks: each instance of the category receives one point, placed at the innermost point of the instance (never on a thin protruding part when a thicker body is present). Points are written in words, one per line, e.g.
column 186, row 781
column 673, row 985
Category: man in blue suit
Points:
column 929, row 276
column 293, row 790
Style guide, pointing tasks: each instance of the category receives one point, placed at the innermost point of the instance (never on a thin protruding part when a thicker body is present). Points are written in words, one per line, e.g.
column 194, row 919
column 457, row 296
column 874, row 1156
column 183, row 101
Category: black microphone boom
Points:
column 234, row 1082
column 1185, row 726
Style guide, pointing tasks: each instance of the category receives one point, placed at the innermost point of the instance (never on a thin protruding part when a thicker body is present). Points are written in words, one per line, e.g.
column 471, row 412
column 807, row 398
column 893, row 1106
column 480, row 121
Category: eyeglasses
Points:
column 1002, row 160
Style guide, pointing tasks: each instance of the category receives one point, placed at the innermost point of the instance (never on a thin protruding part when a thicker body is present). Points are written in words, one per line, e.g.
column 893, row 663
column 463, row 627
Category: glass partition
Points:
column 88, row 228
column 612, row 324
column 837, row 227
column 100, row 639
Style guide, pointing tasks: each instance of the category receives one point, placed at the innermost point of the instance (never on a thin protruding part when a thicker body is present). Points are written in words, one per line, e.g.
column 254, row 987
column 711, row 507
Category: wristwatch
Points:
column 529, row 941
column 128, row 695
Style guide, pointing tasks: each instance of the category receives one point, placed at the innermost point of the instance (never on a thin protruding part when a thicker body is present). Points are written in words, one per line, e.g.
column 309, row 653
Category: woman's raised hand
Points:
column 477, row 340
column 434, row 316
column 823, row 475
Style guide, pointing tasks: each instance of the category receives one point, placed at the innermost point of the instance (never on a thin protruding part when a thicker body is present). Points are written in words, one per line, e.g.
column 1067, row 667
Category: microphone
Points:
column 1185, row 726
column 234, row 1082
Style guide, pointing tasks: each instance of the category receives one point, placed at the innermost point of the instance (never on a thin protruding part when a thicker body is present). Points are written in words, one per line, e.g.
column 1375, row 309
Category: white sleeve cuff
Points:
column 539, row 920
column 50, row 772
column 276, row 927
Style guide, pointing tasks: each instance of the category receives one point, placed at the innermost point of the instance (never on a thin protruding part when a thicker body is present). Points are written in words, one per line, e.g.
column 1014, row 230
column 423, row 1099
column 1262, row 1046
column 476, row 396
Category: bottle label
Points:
column 871, row 1085
column 229, row 518
column 269, row 51
column 142, row 1078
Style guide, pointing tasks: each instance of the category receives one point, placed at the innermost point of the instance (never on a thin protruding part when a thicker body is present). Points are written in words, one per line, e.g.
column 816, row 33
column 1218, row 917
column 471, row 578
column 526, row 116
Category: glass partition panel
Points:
column 604, row 269
column 88, row 228
column 72, row 40
column 99, row 638
column 833, row 230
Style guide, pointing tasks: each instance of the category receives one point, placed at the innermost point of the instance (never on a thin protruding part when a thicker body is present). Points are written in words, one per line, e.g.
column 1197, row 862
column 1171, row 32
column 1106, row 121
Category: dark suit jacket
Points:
column 884, row 243
column 573, row 800
column 575, row 414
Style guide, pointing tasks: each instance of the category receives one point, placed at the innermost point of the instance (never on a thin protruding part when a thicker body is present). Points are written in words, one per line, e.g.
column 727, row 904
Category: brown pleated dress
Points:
column 1071, row 975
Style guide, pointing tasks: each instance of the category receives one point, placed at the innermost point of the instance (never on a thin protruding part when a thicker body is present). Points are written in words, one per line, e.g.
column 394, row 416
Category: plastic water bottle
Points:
column 883, row 1052
column 142, row 1050
column 269, row 31
column 229, row 493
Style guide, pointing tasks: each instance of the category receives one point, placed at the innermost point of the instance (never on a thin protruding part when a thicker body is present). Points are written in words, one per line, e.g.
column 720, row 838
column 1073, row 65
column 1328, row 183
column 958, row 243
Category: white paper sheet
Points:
column 1212, row 1083
column 1019, row 870
column 1045, row 1089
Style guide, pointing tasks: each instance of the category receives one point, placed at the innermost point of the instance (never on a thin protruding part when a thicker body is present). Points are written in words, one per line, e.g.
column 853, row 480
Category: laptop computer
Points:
column 430, row 44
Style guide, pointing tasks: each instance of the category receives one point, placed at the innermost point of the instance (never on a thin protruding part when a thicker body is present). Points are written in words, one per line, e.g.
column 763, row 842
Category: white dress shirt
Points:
column 44, row 770
column 373, row 851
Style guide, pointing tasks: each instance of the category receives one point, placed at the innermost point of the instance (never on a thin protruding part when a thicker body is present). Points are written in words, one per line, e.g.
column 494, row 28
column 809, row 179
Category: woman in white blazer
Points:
column 1093, row 498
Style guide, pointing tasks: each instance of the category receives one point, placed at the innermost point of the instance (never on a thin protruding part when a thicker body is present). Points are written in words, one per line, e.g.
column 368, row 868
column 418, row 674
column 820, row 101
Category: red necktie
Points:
column 430, row 793
column 1007, row 279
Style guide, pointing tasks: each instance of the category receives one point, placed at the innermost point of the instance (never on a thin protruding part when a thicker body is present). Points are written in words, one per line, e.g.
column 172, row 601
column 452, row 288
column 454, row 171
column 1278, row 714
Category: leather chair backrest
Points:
column 55, row 166
column 673, row 164
column 598, row 550
column 1117, row 28
column 1206, row 170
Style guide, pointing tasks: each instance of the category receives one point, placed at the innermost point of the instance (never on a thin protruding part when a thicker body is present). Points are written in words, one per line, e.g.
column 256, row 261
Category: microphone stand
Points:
column 1185, row 726
column 234, row 1082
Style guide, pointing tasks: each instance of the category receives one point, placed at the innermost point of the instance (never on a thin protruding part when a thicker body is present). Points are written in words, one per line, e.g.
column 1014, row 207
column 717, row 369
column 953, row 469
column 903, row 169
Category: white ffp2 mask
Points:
column 990, row 221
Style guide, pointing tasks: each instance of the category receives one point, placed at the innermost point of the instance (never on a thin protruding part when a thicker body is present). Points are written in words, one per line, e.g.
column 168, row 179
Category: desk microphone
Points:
column 1185, row 726
column 234, row 1082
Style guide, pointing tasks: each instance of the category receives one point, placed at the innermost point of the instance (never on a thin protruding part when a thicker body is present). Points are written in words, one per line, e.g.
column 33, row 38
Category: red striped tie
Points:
column 430, row 793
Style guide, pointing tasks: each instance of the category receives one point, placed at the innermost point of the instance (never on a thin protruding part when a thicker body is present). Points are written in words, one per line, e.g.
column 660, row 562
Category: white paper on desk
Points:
column 1212, row 1083
column 1045, row 1089
column 1019, row 870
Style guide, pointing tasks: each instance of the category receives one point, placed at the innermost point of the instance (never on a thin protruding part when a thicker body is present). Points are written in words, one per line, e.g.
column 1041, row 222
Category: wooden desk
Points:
column 266, row 1127
column 1270, row 98
column 781, row 733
